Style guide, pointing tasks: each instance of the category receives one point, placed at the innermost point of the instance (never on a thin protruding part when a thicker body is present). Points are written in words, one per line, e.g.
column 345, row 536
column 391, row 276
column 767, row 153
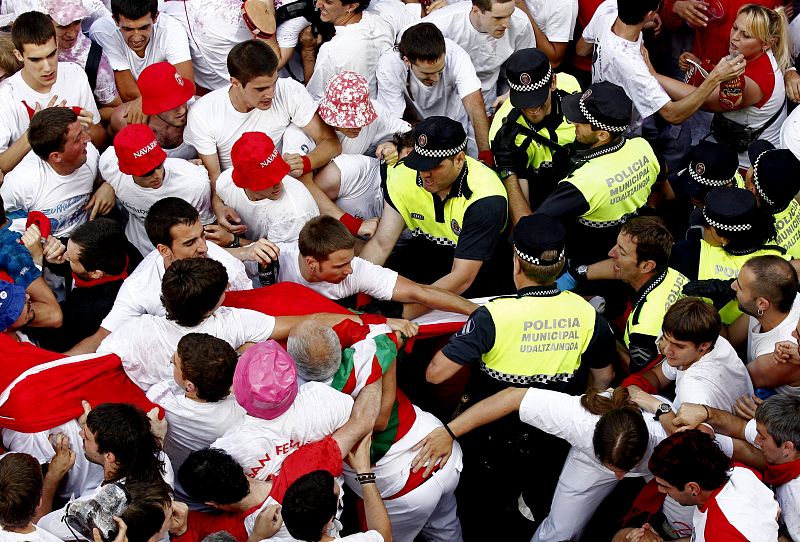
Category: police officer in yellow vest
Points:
column 540, row 337
column 774, row 179
column 735, row 231
column 708, row 165
column 612, row 175
column 542, row 138
column 454, row 206
column 640, row 259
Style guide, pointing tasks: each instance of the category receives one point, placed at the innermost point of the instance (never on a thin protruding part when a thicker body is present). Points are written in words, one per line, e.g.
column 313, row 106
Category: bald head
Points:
column 316, row 350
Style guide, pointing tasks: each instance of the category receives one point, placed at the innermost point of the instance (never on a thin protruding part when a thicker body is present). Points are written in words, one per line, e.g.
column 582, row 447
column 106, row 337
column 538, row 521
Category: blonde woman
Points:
column 751, row 106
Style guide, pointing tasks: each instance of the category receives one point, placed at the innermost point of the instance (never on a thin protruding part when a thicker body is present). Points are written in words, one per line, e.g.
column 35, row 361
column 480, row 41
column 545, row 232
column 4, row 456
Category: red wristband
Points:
column 487, row 157
column 351, row 223
column 306, row 163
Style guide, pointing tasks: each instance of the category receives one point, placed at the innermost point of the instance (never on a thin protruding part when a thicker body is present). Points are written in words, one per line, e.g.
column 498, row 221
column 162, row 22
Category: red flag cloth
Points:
column 43, row 389
column 292, row 299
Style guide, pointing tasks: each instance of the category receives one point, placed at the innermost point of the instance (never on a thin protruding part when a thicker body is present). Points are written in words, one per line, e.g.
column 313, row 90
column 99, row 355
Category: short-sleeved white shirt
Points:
column 260, row 446
column 141, row 291
column 487, row 53
column 168, row 42
column 555, row 18
column 366, row 277
column 71, row 85
column 717, row 379
column 182, row 179
column 760, row 343
column 355, row 47
column 35, row 186
column 214, row 125
column 563, row 416
column 146, row 344
column 381, row 129
column 278, row 220
column 192, row 425
column 38, row 535
column 620, row 61
column 457, row 81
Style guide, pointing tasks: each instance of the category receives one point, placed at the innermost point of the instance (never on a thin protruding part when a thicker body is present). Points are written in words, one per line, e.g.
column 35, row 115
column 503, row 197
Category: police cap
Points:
column 604, row 105
column 435, row 139
column 529, row 76
column 537, row 233
column 710, row 165
column 776, row 173
column 730, row 209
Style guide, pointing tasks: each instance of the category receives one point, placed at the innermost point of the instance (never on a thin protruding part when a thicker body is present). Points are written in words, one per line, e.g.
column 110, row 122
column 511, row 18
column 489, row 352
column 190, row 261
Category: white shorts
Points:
column 360, row 191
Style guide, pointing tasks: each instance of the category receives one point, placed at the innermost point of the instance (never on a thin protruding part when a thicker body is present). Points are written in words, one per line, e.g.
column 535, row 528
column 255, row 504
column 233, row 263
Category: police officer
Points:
column 455, row 208
column 540, row 337
column 774, row 179
column 611, row 177
column 532, row 118
column 735, row 230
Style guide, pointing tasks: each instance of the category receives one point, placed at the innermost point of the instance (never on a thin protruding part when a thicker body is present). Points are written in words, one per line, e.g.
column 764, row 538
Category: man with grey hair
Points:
column 775, row 430
column 349, row 357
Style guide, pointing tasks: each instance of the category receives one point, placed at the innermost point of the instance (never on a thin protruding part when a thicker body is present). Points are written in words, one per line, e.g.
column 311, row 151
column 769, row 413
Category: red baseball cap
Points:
column 257, row 165
column 137, row 150
column 162, row 88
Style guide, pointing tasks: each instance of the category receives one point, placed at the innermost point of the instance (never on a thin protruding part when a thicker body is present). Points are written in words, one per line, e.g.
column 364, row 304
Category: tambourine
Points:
column 259, row 19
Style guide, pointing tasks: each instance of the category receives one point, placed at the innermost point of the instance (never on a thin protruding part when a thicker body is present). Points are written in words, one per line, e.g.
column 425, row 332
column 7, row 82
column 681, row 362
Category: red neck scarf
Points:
column 777, row 475
column 80, row 283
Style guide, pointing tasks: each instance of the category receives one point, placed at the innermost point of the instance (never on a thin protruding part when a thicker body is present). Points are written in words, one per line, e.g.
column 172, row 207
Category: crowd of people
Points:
column 381, row 270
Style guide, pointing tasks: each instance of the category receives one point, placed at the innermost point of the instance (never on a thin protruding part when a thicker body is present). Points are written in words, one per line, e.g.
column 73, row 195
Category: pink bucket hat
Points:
column 265, row 380
column 65, row 12
column 346, row 103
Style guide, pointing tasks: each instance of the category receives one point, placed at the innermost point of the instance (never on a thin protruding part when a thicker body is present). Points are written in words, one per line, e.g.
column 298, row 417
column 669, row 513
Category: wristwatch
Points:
column 663, row 408
column 582, row 271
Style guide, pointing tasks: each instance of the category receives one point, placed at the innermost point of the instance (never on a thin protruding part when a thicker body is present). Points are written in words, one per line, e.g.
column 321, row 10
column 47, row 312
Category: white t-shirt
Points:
column 278, row 220
column 787, row 495
column 717, row 379
column 168, row 42
column 214, row 125
column 621, row 62
column 146, row 344
column 381, row 129
column 366, row 277
column 182, row 179
column 760, row 343
column 355, row 47
column 35, row 186
column 563, row 416
column 555, row 18
column 38, row 535
column 260, row 446
column 444, row 98
column 71, row 85
column 141, row 291
column 487, row 53
column 213, row 27
column 744, row 504
column 192, row 425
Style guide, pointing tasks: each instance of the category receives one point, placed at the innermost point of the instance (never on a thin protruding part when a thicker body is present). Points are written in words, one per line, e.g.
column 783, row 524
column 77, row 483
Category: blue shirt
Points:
column 15, row 258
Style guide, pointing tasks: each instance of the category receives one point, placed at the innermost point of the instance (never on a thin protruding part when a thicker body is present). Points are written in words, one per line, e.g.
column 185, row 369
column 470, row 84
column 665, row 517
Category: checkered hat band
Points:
column 439, row 153
column 757, row 184
column 726, row 227
column 596, row 122
column 705, row 180
column 538, row 261
column 534, row 86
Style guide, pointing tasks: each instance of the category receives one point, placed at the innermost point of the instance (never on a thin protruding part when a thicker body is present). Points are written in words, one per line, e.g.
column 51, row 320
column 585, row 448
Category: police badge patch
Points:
column 455, row 227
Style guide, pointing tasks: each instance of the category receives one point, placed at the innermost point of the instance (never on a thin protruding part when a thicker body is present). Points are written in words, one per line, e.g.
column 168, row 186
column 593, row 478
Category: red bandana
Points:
column 777, row 475
column 80, row 283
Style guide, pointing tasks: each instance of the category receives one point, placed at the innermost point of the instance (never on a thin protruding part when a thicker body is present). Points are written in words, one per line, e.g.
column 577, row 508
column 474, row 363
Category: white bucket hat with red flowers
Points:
column 346, row 103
